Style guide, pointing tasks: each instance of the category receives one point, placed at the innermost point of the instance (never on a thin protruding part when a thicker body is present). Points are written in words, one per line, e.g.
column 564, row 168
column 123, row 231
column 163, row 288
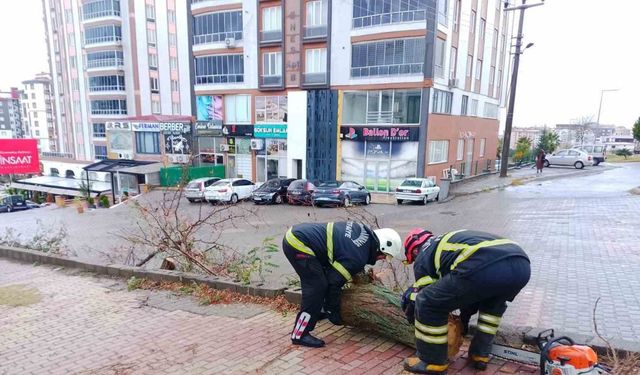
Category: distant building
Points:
column 576, row 134
column 615, row 143
column 11, row 125
column 532, row 133
column 38, row 112
column 622, row 131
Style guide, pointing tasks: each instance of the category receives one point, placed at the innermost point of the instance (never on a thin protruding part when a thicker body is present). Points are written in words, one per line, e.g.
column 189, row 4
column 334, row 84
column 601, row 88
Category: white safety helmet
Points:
column 390, row 242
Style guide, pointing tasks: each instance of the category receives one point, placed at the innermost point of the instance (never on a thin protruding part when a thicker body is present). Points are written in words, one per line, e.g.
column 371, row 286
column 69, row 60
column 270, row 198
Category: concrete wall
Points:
column 297, row 131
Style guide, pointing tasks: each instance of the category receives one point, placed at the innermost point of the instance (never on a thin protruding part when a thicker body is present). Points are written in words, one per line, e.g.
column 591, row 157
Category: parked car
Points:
column 229, row 190
column 32, row 204
column 300, row 192
column 573, row 157
column 194, row 191
column 12, row 203
column 342, row 193
column 417, row 189
column 597, row 152
column 272, row 191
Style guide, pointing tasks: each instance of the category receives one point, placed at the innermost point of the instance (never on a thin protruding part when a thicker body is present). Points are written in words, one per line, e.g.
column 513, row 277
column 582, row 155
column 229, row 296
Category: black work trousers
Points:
column 486, row 291
column 314, row 288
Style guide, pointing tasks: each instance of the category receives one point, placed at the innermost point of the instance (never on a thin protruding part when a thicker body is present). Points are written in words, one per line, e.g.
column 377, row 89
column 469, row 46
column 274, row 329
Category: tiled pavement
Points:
column 88, row 325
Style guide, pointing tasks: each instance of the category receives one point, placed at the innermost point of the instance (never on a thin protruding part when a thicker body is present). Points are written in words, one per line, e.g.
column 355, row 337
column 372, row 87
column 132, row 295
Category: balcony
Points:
column 271, row 81
column 108, row 63
column 219, row 78
column 101, row 15
column 315, row 78
column 102, row 40
column 270, row 36
column 217, row 37
column 315, row 32
column 106, row 89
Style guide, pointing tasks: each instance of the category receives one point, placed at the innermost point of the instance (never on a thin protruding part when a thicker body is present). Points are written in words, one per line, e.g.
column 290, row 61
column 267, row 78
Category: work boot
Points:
column 479, row 362
column 417, row 366
column 308, row 340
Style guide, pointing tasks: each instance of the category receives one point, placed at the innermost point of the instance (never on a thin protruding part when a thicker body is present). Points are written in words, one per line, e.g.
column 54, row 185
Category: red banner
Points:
column 19, row 156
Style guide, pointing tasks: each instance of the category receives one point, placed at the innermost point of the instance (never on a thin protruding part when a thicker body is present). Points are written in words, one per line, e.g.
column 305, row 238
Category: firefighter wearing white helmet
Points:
column 326, row 256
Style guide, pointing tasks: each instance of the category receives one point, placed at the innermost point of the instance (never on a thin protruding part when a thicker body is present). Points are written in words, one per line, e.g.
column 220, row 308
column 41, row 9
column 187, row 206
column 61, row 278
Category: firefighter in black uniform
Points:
column 468, row 270
column 326, row 256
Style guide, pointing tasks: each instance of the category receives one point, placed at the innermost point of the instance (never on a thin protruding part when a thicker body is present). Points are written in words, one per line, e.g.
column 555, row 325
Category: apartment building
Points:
column 38, row 113
column 113, row 61
column 533, row 133
column 11, row 123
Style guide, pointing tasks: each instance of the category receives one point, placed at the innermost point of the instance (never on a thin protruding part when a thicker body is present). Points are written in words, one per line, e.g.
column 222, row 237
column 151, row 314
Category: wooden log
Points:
column 376, row 309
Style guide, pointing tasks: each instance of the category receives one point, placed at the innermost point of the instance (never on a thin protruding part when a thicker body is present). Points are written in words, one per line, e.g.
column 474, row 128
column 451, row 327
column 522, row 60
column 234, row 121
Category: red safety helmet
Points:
column 414, row 240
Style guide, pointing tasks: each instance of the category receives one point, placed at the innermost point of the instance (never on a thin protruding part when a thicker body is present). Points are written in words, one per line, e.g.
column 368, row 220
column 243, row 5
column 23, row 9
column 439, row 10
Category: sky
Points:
column 580, row 48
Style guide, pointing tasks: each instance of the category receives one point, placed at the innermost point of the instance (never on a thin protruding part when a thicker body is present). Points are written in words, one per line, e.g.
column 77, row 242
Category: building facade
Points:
column 11, row 121
column 38, row 113
column 114, row 59
column 533, row 134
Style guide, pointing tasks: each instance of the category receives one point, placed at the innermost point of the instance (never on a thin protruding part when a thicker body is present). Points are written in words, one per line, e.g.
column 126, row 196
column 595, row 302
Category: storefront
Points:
column 379, row 157
column 270, row 144
column 238, row 150
column 209, row 139
column 119, row 140
column 177, row 141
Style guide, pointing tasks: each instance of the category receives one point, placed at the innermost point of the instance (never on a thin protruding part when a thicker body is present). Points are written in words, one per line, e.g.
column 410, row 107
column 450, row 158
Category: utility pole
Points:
column 504, row 163
column 600, row 107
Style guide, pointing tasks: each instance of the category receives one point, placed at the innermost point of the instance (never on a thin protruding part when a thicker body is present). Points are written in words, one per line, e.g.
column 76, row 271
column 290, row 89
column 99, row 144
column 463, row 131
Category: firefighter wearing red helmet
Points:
column 468, row 270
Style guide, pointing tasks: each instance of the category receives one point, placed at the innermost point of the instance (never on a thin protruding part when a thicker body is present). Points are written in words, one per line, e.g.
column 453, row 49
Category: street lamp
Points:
column 601, row 95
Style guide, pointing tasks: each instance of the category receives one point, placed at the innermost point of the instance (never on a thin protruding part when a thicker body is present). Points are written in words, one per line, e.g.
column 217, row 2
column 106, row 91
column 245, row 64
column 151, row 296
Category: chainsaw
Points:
column 558, row 356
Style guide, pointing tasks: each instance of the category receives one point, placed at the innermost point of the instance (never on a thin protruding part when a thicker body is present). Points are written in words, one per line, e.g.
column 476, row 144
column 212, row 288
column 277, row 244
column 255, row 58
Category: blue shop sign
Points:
column 270, row 131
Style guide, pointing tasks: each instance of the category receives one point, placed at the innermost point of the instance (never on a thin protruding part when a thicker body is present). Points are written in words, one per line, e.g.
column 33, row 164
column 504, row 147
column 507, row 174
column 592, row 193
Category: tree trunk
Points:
column 376, row 309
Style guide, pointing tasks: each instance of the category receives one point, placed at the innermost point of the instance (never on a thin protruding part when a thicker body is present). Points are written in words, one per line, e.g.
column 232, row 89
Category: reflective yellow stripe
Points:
column 488, row 318
column 478, row 358
column 423, row 281
column 437, row 367
column 441, row 330
column 431, row 339
column 297, row 244
column 336, row 265
column 491, row 330
column 444, row 245
column 412, row 296
column 469, row 251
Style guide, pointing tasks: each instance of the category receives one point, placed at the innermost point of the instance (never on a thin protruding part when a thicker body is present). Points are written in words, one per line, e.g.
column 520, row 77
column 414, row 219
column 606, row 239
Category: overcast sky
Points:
column 581, row 47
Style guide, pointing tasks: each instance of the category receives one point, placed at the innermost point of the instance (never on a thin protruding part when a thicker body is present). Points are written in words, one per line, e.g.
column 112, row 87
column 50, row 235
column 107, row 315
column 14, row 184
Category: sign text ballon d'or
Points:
column 19, row 156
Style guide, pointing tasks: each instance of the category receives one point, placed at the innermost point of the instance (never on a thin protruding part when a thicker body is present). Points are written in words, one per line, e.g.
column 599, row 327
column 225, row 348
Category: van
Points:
column 597, row 152
column 12, row 203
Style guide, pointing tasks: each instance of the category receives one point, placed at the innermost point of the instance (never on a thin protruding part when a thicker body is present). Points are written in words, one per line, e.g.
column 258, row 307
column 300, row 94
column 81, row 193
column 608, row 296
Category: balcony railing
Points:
column 216, row 37
column 52, row 154
column 315, row 78
column 109, row 111
column 219, row 78
column 103, row 39
column 386, row 70
column 389, row 18
column 106, row 88
column 268, row 81
column 270, row 36
column 101, row 13
column 105, row 63
column 319, row 31
column 380, row 117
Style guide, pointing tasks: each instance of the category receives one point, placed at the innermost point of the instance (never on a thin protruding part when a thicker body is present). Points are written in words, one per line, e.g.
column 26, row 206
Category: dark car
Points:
column 343, row 193
column 300, row 191
column 272, row 191
column 13, row 203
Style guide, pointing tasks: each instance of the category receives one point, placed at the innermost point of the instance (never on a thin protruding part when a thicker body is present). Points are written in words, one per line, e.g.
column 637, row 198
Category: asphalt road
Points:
column 580, row 232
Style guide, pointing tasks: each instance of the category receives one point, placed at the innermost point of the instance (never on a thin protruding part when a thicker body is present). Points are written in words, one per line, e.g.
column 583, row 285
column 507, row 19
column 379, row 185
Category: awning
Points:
column 114, row 165
column 143, row 169
column 60, row 186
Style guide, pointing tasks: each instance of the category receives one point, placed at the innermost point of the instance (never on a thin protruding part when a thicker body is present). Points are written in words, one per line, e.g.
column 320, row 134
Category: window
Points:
column 272, row 68
column 151, row 37
column 100, row 152
column 272, row 19
column 464, row 105
column 495, row 38
column 31, row 86
column 100, row 8
column 492, row 75
column 438, row 152
column 443, row 12
column 147, row 142
column 153, row 83
column 102, row 34
column 175, row 108
column 153, row 61
column 104, row 59
column 155, row 105
column 55, row 172
column 35, row 123
column 439, row 60
column 99, row 130
column 108, row 107
column 68, row 15
column 472, row 22
column 219, row 69
column 316, row 13
column 389, row 57
column 460, row 150
column 474, row 107
column 490, row 110
column 37, row 133
column 34, row 106
column 171, row 16
column 150, row 12
column 174, row 85
column 382, row 107
column 173, row 40
column 453, row 63
column 216, row 27
column 237, row 109
column 106, row 83
column 478, row 69
column 483, row 142
column 271, row 109
column 456, row 15
column 483, row 25
column 442, row 101
column 173, row 63
column 316, row 60
column 469, row 65
column 367, row 13
column 35, row 114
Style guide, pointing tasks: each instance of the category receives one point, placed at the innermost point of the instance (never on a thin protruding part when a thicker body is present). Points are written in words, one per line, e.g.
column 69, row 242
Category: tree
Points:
column 636, row 130
column 523, row 149
column 548, row 141
column 583, row 128
column 624, row 152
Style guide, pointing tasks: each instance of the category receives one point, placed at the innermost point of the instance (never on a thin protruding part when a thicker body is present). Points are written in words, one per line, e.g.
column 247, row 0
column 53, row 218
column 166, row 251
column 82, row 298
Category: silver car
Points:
column 417, row 189
column 195, row 188
column 571, row 157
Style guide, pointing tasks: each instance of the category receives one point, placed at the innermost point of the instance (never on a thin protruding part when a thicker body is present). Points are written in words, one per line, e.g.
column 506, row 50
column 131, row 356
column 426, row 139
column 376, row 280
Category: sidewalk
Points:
column 75, row 323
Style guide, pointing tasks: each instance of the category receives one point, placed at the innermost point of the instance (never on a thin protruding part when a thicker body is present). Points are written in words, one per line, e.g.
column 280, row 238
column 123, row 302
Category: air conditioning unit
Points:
column 257, row 144
column 123, row 155
column 224, row 148
column 453, row 82
column 230, row 42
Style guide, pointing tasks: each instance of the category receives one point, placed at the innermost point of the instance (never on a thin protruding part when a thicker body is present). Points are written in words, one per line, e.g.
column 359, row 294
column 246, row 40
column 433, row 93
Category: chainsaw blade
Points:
column 515, row 355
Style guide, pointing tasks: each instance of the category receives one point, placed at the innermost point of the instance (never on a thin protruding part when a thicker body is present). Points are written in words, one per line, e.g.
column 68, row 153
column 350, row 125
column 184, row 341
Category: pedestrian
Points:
column 540, row 157
column 326, row 256
column 468, row 270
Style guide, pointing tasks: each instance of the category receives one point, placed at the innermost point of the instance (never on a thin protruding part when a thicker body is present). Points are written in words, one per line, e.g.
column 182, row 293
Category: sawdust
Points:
column 635, row 191
column 19, row 295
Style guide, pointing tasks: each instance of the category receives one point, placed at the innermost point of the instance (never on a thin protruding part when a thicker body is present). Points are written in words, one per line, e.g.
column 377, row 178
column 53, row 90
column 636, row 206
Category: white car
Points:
column 417, row 189
column 229, row 190
column 573, row 157
column 194, row 191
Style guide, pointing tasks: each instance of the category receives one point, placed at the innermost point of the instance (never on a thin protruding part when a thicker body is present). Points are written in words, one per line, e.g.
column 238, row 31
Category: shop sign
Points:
column 382, row 133
column 270, row 131
column 238, row 130
column 209, row 108
column 467, row 134
column 117, row 125
column 18, row 156
column 145, row 126
column 208, row 129
column 177, row 141
column 231, row 144
column 175, row 127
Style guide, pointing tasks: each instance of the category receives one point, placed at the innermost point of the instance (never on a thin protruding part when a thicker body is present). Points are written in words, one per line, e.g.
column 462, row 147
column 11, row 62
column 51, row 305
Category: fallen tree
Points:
column 374, row 308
